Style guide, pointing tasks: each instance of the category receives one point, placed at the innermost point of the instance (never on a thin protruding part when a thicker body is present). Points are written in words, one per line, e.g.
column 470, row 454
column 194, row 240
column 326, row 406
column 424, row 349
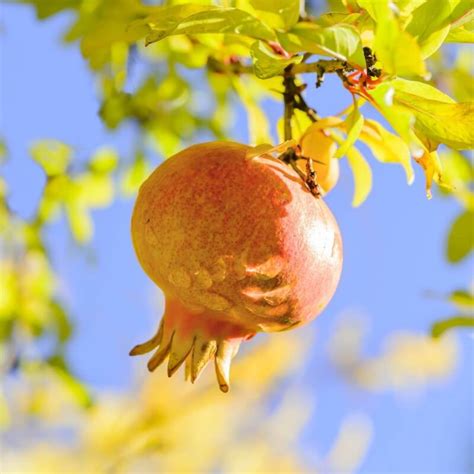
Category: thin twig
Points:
column 288, row 100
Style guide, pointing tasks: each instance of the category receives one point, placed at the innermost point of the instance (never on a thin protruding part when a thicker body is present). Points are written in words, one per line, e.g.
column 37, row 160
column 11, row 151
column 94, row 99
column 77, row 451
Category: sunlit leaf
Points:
column 440, row 327
column 421, row 89
column 267, row 63
column 400, row 119
column 52, row 155
column 353, row 126
column 406, row 7
column 334, row 18
column 387, row 147
column 431, row 165
column 106, row 23
column 392, row 44
column 461, row 34
column 460, row 242
column 362, row 176
column 216, row 20
column 429, row 24
column 278, row 14
column 339, row 41
column 444, row 122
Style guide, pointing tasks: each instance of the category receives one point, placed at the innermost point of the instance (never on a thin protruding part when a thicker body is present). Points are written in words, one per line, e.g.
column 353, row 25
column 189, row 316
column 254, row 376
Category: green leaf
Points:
column 429, row 24
column 339, row 41
column 103, row 24
column 267, row 63
column 334, row 18
column 52, row 155
column 104, row 160
column 216, row 20
column 460, row 240
column 440, row 327
column 398, row 52
column 396, row 49
column 421, row 89
column 400, row 119
column 387, row 147
column 462, row 27
column 462, row 34
column 362, row 176
column 353, row 125
column 278, row 14
column 406, row 7
column 377, row 9
column 462, row 299
column 444, row 122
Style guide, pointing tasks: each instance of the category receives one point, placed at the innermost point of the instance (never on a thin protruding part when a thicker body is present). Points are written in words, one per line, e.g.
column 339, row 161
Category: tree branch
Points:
column 321, row 67
column 288, row 98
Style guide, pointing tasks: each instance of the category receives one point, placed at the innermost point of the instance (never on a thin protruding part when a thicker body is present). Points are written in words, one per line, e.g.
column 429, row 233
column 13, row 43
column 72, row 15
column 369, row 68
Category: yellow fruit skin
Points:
column 237, row 245
column 320, row 147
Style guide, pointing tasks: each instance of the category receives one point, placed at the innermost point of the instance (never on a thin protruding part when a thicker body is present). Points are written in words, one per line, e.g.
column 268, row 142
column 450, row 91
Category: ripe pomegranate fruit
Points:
column 238, row 245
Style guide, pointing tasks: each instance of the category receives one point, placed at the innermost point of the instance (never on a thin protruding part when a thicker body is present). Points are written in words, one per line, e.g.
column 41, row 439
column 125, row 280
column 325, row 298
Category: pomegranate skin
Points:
column 238, row 245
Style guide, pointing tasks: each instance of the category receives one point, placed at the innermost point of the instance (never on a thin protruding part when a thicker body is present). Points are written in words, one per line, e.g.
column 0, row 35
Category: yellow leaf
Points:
column 353, row 125
column 387, row 147
column 431, row 165
column 362, row 176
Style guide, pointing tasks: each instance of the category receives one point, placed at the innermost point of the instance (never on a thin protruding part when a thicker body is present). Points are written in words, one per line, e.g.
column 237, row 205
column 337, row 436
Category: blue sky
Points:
column 393, row 248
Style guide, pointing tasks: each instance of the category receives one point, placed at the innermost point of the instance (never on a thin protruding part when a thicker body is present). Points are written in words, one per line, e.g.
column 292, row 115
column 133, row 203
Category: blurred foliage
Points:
column 187, row 428
column 35, row 324
column 171, row 72
column 407, row 361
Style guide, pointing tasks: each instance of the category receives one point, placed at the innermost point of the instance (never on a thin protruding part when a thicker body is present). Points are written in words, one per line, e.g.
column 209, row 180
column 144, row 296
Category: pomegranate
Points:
column 238, row 245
